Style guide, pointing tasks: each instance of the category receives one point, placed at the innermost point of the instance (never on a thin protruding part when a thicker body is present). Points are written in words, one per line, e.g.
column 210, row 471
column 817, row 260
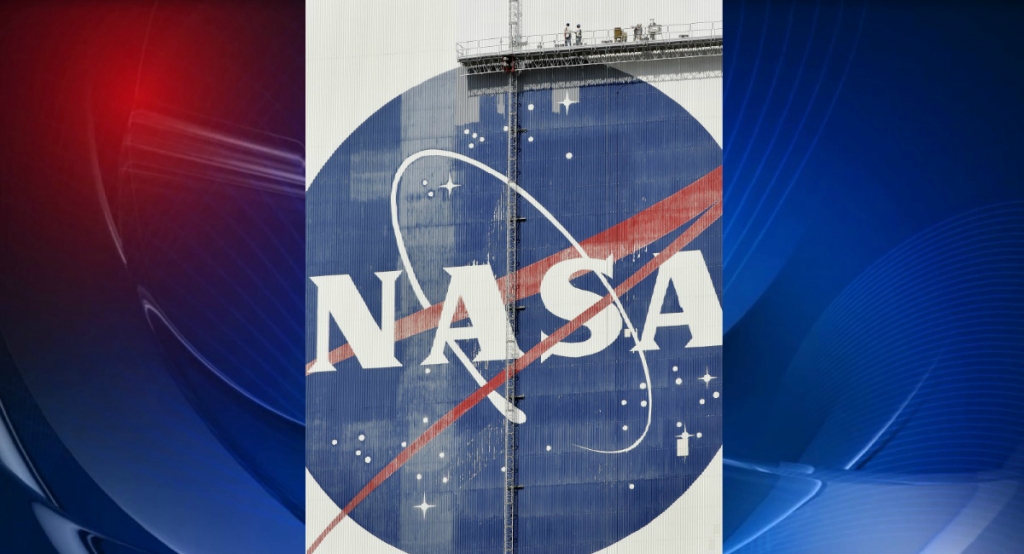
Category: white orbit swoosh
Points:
column 496, row 399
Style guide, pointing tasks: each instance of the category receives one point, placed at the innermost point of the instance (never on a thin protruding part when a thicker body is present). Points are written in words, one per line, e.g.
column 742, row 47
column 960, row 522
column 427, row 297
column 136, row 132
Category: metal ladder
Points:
column 511, row 290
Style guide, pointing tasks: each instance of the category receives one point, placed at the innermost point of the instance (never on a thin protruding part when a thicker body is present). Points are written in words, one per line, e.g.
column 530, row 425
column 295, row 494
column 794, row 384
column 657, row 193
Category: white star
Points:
column 568, row 103
column 706, row 378
column 683, row 444
column 424, row 506
column 450, row 185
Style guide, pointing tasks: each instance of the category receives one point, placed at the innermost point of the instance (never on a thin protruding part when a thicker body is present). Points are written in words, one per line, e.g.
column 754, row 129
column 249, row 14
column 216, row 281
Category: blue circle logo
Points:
column 614, row 334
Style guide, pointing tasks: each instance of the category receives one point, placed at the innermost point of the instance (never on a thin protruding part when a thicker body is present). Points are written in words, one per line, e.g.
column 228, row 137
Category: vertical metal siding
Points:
column 627, row 169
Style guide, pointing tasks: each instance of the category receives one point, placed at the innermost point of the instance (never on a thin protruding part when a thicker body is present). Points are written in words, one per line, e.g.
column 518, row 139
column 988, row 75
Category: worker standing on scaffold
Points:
column 567, row 33
column 653, row 30
column 579, row 35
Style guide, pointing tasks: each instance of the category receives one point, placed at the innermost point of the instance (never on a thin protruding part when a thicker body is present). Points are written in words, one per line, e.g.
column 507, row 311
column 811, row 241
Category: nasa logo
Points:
column 617, row 336
column 476, row 289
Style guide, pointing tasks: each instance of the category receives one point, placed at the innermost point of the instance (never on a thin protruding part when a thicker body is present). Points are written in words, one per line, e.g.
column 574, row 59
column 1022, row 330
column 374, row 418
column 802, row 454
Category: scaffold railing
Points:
column 631, row 36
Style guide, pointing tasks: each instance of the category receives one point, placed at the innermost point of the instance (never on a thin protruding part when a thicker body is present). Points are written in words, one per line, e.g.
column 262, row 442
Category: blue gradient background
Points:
column 153, row 265
column 873, row 245
column 873, row 294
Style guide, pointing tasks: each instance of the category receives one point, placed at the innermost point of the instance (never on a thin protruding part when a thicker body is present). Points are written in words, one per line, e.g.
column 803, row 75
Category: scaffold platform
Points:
column 608, row 46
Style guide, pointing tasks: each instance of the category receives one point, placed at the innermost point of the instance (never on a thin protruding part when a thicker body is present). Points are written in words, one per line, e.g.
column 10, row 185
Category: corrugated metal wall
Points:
column 620, row 447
